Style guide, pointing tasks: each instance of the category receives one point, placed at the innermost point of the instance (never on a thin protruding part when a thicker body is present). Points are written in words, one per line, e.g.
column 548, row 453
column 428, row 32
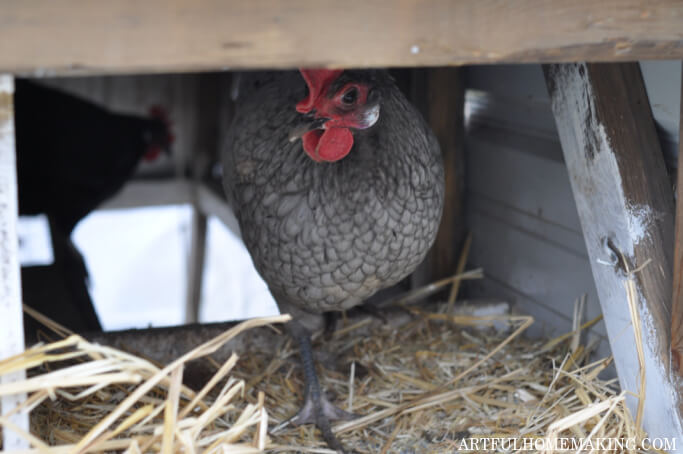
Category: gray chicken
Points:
column 338, row 186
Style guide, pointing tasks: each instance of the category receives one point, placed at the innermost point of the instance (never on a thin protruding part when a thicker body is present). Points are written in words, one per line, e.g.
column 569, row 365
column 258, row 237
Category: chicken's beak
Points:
column 308, row 125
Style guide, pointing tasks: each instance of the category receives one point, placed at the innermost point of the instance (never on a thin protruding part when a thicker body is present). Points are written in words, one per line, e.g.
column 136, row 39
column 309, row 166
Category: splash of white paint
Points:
column 601, row 199
column 639, row 221
column 658, row 379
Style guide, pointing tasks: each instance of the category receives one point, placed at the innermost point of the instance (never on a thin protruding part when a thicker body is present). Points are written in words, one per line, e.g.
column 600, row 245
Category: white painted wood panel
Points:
column 620, row 185
column 11, row 316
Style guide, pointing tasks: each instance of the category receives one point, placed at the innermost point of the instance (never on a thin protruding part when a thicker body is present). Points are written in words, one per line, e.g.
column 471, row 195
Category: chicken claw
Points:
column 317, row 409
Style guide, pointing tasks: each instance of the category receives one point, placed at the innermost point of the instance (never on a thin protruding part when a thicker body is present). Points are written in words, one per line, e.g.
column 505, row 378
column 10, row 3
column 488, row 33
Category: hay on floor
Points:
column 428, row 385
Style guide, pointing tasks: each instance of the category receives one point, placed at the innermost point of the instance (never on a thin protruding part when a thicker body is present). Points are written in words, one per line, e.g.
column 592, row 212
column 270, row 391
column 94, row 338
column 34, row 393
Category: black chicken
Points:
column 349, row 210
column 71, row 156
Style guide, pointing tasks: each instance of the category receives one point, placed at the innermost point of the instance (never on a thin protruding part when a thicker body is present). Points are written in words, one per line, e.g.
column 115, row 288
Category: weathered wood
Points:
column 165, row 345
column 626, row 209
column 72, row 36
column 195, row 272
column 446, row 116
column 440, row 94
column 213, row 203
column 677, row 300
column 146, row 193
column 204, row 153
column 11, row 321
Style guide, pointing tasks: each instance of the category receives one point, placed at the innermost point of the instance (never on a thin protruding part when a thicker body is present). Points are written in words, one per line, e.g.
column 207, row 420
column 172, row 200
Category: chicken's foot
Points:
column 317, row 409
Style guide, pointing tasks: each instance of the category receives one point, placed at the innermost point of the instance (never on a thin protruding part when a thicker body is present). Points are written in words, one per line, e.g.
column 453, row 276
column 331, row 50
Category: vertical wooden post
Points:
column 677, row 300
column 439, row 93
column 196, row 262
column 626, row 208
column 206, row 149
column 11, row 321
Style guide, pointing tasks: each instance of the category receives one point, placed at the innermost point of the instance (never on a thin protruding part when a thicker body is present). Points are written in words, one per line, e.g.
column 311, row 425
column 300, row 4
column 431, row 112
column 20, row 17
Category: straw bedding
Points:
column 433, row 382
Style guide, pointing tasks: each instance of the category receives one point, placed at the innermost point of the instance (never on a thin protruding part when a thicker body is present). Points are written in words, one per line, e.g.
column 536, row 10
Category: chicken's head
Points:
column 338, row 103
column 159, row 134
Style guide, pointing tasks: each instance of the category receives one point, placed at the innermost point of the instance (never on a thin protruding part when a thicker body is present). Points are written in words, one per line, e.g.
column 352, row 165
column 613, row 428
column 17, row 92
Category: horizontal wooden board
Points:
column 73, row 36
column 549, row 233
column 521, row 178
column 545, row 272
column 148, row 193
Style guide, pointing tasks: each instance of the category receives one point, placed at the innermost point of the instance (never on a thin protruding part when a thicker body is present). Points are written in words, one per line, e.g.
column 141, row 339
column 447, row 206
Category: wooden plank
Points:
column 204, row 153
column 626, row 209
column 213, row 203
column 446, row 116
column 145, row 193
column 439, row 94
column 11, row 316
column 516, row 176
column 677, row 299
column 72, row 36
column 543, row 271
column 195, row 266
column 519, row 204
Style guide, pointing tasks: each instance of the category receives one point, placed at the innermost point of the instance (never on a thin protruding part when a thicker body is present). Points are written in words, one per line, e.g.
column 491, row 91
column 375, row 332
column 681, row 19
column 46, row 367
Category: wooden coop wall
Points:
column 519, row 202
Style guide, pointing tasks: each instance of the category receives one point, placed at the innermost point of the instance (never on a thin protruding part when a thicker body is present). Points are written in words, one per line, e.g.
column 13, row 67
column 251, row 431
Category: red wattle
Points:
column 329, row 145
column 310, row 142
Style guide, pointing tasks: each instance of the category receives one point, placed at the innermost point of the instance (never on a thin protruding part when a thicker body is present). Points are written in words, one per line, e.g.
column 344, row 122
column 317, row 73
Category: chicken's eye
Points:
column 350, row 97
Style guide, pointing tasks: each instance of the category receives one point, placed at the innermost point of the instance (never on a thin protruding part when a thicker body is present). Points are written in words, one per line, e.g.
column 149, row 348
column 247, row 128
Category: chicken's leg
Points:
column 317, row 409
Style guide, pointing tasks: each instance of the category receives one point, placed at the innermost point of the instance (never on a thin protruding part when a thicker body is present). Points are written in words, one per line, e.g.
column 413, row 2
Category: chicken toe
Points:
column 317, row 409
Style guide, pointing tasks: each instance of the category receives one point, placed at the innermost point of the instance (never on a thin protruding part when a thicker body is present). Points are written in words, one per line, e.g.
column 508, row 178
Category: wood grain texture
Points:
column 677, row 299
column 445, row 113
column 520, row 206
column 147, row 193
column 204, row 153
column 439, row 94
column 626, row 208
column 73, row 36
column 195, row 266
column 11, row 316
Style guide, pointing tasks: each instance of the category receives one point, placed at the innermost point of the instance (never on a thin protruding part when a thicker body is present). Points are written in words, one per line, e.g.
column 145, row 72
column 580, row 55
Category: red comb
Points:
column 160, row 113
column 318, row 80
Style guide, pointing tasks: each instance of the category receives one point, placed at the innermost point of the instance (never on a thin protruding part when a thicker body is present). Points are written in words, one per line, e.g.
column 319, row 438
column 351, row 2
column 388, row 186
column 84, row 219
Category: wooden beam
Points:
column 439, row 94
column 212, row 203
column 145, row 193
column 195, row 263
column 141, row 193
column 72, row 36
column 11, row 315
column 204, row 153
column 626, row 208
column 446, row 113
column 677, row 299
